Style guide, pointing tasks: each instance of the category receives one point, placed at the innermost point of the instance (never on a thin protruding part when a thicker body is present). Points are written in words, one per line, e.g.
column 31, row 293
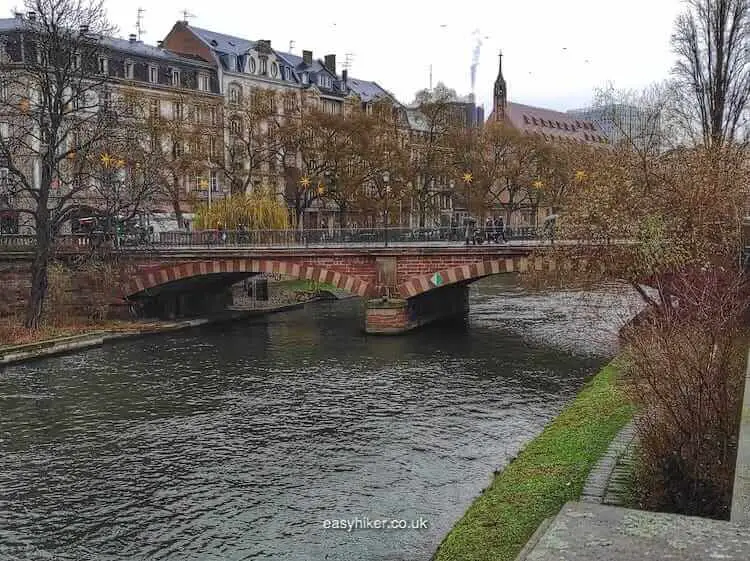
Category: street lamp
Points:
column 386, row 183
column 467, row 177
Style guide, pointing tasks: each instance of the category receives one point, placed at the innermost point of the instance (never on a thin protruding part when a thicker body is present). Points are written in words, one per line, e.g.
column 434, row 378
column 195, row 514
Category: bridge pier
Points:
column 392, row 316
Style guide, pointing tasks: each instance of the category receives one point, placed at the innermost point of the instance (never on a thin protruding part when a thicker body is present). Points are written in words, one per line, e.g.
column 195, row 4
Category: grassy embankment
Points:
column 551, row 470
column 13, row 333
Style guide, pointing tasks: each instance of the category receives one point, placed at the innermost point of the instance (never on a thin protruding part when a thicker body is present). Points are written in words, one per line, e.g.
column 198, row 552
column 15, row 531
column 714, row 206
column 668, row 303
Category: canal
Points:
column 240, row 441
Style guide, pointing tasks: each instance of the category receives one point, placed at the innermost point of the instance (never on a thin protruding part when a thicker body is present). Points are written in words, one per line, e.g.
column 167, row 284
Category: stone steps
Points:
column 594, row 532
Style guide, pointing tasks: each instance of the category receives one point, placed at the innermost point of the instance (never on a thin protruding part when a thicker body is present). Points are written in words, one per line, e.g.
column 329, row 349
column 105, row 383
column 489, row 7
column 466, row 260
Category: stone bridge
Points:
column 404, row 287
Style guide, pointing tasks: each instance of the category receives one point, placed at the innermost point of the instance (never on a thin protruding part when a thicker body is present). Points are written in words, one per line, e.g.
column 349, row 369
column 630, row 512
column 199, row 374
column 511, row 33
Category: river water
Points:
column 240, row 441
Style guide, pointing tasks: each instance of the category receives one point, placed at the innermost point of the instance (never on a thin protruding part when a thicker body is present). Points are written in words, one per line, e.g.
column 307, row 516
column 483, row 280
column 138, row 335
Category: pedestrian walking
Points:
column 500, row 229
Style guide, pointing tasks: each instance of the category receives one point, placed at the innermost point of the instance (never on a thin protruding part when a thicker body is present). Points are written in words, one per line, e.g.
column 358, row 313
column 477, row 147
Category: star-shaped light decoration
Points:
column 106, row 160
column 120, row 163
column 321, row 189
column 538, row 184
column 580, row 175
column 468, row 177
column 305, row 181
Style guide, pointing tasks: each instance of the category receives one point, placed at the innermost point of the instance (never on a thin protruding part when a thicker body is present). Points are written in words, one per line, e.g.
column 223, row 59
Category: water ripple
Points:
column 237, row 442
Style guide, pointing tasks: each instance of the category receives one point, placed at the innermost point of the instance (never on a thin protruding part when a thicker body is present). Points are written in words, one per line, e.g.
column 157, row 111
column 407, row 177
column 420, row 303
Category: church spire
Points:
column 500, row 93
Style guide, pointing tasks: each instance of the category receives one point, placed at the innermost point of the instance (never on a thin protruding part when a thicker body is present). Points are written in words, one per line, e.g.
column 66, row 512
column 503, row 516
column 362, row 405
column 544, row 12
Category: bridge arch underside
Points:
column 207, row 276
column 461, row 275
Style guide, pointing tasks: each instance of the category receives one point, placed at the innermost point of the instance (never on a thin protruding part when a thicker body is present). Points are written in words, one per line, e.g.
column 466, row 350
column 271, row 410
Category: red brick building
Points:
column 553, row 126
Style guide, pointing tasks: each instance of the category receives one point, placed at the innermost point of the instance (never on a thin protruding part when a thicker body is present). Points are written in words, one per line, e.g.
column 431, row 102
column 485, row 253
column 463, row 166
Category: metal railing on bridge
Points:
column 279, row 238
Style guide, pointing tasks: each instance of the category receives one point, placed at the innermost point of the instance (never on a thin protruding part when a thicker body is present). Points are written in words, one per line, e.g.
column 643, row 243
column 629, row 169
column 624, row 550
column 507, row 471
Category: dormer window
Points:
column 304, row 78
column 175, row 77
column 251, row 65
column 263, row 65
column 129, row 69
column 204, row 83
column 153, row 74
column 103, row 65
column 76, row 61
column 274, row 70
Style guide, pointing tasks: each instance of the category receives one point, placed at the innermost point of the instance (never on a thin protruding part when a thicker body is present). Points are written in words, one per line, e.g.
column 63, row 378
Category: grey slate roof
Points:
column 122, row 45
column 224, row 43
column 367, row 91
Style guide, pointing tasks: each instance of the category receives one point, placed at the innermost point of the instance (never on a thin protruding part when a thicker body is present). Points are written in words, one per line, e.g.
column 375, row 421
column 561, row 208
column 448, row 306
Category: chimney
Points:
column 19, row 15
column 132, row 37
column 160, row 44
column 330, row 63
column 31, row 16
column 307, row 57
column 83, row 29
column 265, row 45
column 344, row 76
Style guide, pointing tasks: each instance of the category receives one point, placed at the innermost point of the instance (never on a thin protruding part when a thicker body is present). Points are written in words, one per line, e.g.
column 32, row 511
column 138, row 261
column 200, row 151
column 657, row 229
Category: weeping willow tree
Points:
column 258, row 210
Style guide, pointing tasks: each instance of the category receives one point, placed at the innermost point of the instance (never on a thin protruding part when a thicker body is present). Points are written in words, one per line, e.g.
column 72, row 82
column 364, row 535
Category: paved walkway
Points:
column 592, row 532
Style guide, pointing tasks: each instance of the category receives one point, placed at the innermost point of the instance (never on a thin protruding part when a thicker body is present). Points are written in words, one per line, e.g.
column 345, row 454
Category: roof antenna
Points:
column 291, row 47
column 139, row 23
column 186, row 16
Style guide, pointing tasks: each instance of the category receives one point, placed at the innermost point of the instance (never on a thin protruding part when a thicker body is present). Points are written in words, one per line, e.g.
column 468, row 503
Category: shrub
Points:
column 685, row 369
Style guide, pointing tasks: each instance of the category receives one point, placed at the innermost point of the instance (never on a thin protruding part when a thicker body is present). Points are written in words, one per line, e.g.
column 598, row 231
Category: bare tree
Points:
column 57, row 113
column 185, row 144
column 250, row 137
column 712, row 74
column 434, row 119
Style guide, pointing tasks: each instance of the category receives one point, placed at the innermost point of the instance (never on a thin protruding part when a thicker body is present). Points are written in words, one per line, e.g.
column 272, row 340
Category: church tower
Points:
column 500, row 94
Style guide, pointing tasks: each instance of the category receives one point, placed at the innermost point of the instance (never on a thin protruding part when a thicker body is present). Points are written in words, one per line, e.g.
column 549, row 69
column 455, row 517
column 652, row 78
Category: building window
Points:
column 129, row 73
column 304, row 78
column 178, row 110
column 274, row 69
column 76, row 62
column 153, row 74
column 212, row 115
column 251, row 65
column 234, row 95
column 103, row 65
column 154, row 109
column 177, row 148
column 214, row 182
column 211, row 147
column 234, row 126
column 198, row 114
column 175, row 78
column 263, row 65
column 105, row 99
column 204, row 83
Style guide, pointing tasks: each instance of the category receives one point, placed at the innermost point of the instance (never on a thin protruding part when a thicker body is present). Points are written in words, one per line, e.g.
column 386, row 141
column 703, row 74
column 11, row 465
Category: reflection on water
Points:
column 237, row 442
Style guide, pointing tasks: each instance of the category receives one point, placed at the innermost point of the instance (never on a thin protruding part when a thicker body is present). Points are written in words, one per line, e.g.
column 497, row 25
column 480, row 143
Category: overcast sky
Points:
column 546, row 43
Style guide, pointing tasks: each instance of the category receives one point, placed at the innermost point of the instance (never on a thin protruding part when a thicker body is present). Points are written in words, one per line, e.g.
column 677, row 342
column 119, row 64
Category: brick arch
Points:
column 462, row 273
column 177, row 271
